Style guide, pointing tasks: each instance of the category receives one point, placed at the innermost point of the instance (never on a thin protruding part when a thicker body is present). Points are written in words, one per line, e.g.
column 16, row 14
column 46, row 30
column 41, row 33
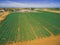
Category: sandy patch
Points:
column 3, row 16
column 52, row 40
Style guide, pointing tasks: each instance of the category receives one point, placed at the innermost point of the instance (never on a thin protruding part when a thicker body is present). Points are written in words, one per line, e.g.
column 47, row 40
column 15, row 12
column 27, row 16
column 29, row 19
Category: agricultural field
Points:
column 25, row 26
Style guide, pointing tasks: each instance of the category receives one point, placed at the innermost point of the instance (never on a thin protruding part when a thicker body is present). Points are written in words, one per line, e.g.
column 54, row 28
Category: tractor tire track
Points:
column 44, row 27
column 31, row 27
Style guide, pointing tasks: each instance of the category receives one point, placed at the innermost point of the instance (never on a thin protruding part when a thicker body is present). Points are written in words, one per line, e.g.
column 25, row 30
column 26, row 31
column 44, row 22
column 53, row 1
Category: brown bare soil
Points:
column 52, row 40
column 3, row 16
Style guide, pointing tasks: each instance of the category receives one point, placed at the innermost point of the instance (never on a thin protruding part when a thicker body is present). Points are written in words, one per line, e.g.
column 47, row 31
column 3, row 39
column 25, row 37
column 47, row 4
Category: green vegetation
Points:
column 28, row 26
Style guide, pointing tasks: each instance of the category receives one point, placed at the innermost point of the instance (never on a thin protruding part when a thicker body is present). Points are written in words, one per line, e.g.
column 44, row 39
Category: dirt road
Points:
column 54, row 11
column 55, row 40
column 3, row 16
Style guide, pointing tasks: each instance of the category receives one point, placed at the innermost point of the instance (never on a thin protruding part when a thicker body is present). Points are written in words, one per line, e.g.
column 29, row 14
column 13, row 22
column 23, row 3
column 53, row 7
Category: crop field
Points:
column 24, row 26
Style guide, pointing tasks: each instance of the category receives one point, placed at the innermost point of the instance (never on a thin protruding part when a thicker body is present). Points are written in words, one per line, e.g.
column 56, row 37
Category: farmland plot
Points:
column 19, row 27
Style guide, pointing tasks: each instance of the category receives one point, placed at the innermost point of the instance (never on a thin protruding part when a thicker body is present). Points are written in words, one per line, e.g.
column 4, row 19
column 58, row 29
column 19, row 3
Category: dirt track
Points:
column 54, row 11
column 3, row 16
column 55, row 40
